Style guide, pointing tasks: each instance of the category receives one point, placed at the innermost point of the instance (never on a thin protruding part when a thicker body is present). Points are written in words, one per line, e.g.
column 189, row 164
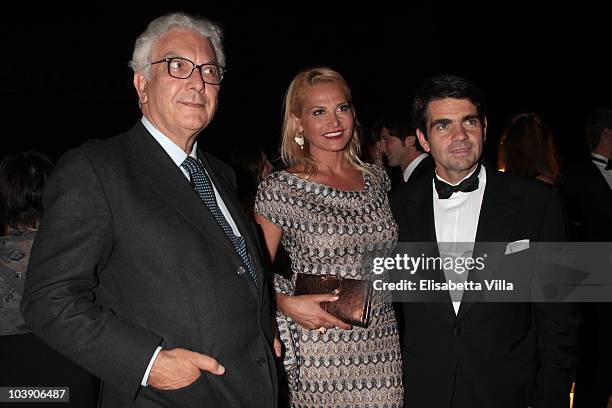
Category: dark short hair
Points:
column 600, row 120
column 400, row 126
column 442, row 86
column 22, row 178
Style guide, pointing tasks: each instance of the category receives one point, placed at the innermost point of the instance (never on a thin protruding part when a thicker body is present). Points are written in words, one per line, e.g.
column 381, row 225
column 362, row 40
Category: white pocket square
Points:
column 517, row 246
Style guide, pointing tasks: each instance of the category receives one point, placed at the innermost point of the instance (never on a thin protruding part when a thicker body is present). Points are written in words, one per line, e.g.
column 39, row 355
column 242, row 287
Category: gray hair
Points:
column 141, row 57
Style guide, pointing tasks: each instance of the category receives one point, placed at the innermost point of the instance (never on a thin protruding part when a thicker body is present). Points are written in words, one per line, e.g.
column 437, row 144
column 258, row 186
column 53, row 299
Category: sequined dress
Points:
column 329, row 231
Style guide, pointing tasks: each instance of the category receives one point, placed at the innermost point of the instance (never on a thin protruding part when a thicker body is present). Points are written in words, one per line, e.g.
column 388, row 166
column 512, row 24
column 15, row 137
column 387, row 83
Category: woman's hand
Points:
column 307, row 312
column 277, row 345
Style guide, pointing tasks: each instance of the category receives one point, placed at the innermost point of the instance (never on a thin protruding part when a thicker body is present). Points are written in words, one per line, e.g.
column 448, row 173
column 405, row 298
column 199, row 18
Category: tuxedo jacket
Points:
column 426, row 165
column 129, row 258
column 589, row 202
column 489, row 354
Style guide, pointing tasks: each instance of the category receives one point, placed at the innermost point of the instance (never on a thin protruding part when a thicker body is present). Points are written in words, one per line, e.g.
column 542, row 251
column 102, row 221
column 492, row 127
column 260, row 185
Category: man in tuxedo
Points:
column 145, row 271
column 462, row 353
column 588, row 185
column 402, row 148
column 588, row 193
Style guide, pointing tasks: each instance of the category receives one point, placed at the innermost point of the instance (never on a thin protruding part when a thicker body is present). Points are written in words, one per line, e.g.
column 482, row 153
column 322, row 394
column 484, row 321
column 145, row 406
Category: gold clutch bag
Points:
column 355, row 296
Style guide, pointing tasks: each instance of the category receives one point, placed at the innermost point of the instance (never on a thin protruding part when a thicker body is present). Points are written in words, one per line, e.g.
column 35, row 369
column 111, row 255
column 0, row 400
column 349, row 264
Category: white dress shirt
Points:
column 413, row 165
column 178, row 156
column 456, row 221
column 602, row 168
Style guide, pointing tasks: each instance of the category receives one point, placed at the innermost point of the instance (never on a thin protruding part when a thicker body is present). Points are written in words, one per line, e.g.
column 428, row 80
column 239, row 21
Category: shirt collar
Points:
column 177, row 155
column 413, row 165
column 599, row 156
column 459, row 182
column 460, row 197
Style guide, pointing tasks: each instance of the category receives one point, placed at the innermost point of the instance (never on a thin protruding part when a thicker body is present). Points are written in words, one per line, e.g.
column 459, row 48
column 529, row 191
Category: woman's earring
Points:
column 300, row 140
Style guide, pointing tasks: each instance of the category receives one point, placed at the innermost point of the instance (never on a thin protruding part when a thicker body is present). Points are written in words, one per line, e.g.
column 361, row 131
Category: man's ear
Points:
column 140, row 83
column 409, row 141
column 484, row 130
column 423, row 141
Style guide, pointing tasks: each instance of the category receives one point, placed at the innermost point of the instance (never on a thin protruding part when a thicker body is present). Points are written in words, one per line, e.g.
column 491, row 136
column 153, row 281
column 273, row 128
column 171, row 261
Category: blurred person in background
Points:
column 402, row 148
column 528, row 149
column 587, row 190
column 251, row 165
column 26, row 360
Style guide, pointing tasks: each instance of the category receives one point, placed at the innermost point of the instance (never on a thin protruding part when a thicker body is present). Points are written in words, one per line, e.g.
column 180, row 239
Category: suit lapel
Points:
column 162, row 174
column 424, row 232
column 158, row 169
column 494, row 227
column 424, row 167
column 599, row 183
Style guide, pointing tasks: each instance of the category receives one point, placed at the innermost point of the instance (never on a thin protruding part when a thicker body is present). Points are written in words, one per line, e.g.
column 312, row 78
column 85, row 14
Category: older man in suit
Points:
column 460, row 353
column 145, row 271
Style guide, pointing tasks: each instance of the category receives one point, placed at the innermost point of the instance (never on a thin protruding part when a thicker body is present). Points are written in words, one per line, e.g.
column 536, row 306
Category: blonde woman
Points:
column 328, row 209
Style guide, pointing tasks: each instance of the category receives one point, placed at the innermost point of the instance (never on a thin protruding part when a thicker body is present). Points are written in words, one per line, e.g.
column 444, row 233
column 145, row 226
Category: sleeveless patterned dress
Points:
column 329, row 231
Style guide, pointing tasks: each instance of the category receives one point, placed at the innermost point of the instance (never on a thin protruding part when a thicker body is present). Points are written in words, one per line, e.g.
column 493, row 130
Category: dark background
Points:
column 64, row 77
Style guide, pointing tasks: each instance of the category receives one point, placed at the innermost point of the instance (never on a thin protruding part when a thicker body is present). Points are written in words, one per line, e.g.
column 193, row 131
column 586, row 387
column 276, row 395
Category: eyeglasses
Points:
column 182, row 68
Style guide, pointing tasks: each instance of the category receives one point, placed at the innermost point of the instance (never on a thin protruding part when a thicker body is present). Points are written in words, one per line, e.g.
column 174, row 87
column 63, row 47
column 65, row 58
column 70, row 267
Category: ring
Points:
column 322, row 329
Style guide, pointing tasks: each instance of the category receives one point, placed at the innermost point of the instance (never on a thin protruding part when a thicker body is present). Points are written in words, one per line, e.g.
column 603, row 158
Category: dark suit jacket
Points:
column 490, row 354
column 589, row 203
column 426, row 165
column 128, row 258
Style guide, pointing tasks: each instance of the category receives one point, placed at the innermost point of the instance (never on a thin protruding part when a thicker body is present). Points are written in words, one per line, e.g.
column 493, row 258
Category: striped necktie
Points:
column 203, row 186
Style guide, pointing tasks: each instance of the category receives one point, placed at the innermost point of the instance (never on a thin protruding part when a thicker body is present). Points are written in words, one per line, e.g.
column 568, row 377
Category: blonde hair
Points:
column 291, row 153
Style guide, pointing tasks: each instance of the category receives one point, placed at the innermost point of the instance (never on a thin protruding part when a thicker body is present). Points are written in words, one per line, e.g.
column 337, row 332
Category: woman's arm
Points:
column 306, row 309
column 272, row 234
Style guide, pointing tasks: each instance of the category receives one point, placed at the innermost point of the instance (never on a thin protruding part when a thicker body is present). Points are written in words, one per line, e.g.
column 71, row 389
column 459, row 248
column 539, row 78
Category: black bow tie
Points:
column 445, row 190
column 607, row 163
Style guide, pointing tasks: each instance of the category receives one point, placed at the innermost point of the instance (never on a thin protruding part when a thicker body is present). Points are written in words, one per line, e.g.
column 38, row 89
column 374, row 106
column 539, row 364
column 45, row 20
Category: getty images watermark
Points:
column 518, row 271
column 458, row 265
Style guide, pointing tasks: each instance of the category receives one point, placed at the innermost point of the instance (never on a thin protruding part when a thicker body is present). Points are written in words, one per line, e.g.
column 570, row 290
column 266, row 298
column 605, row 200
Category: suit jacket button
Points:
column 241, row 270
column 261, row 361
column 457, row 331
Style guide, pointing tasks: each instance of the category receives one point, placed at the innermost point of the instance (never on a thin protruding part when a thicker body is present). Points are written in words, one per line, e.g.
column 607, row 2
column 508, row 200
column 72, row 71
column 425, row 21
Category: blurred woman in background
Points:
column 527, row 148
column 26, row 360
